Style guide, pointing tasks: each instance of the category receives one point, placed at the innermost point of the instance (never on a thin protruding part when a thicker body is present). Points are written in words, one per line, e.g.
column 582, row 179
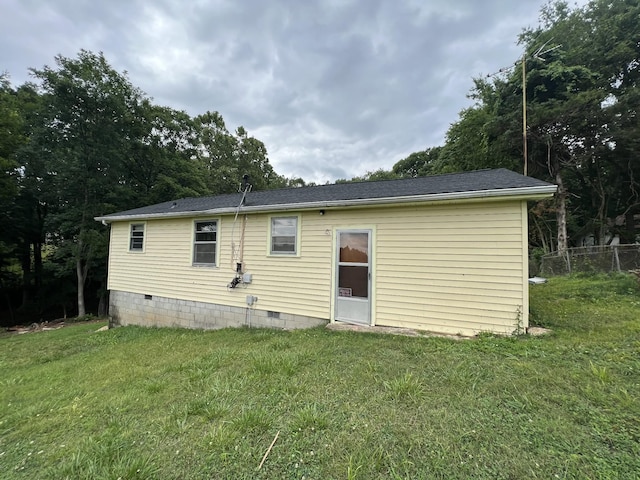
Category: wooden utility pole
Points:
column 524, row 113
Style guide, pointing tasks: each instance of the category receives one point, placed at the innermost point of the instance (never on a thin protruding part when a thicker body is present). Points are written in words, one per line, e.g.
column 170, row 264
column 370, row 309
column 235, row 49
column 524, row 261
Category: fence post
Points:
column 616, row 258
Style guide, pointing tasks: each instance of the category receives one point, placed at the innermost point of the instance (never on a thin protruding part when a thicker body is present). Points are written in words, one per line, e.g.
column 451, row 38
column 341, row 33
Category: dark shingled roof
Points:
column 477, row 181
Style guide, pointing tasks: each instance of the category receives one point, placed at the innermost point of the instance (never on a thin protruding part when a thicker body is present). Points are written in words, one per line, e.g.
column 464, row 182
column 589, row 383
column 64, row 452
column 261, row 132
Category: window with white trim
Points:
column 136, row 237
column 284, row 235
column 205, row 239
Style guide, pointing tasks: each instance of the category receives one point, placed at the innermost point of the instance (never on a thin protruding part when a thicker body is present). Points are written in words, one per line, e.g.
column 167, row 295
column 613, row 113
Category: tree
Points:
column 22, row 214
column 582, row 68
column 215, row 149
column 31, row 205
column 86, row 136
column 418, row 164
column 82, row 142
column 374, row 176
column 252, row 159
column 616, row 51
column 161, row 165
column 578, row 131
column 10, row 140
column 226, row 158
column 11, row 137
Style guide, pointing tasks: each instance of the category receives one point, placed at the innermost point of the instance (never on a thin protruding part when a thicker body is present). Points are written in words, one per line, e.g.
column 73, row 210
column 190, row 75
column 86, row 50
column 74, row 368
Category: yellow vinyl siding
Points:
column 451, row 268
column 297, row 284
column 454, row 268
column 457, row 269
column 524, row 229
column 287, row 284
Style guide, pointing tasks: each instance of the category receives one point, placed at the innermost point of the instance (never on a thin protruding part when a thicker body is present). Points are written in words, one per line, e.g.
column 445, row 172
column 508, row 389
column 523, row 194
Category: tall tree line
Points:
column 81, row 141
column 581, row 72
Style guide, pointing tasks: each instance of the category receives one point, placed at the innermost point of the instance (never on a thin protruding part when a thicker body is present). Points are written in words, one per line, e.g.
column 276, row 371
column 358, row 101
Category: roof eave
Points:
column 524, row 193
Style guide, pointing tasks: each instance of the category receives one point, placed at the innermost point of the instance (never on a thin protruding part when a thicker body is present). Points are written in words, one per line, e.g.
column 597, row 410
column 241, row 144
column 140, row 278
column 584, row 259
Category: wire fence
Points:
column 594, row 259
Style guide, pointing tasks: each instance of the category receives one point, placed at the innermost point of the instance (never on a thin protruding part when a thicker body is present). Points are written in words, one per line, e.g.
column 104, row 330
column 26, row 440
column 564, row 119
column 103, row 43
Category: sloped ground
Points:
column 141, row 403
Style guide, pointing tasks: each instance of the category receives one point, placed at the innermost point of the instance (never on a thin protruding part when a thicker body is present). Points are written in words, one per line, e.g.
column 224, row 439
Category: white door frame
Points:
column 350, row 306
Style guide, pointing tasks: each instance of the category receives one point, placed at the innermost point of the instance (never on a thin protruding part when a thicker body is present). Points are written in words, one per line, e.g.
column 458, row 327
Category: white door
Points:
column 353, row 277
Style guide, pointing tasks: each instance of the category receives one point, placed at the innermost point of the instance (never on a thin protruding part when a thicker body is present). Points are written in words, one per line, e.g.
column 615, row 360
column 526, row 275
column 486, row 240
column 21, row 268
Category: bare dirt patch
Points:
column 407, row 332
column 46, row 326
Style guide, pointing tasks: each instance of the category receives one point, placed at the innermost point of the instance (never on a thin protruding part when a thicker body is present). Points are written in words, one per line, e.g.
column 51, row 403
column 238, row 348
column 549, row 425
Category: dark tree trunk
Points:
column 37, row 263
column 37, row 245
column 561, row 215
column 80, row 272
column 103, row 303
column 8, row 299
column 630, row 228
column 561, row 201
column 25, row 262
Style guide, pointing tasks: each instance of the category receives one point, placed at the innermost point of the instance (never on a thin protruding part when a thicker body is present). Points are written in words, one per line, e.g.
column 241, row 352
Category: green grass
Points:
column 135, row 403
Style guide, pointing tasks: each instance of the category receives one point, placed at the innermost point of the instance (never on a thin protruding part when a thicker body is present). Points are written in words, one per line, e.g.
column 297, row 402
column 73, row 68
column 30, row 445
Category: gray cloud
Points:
column 333, row 88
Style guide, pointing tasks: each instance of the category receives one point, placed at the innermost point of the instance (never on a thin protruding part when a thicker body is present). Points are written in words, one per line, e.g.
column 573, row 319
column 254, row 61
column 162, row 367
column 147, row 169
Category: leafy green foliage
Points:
column 87, row 121
column 581, row 68
column 226, row 158
column 376, row 175
column 418, row 164
column 10, row 138
column 83, row 142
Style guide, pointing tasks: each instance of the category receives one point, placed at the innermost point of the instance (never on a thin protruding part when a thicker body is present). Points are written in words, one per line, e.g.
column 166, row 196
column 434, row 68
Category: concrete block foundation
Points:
column 126, row 308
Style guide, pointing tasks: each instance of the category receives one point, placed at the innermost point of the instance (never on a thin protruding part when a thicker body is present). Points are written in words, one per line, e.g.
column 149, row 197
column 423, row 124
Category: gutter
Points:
column 524, row 193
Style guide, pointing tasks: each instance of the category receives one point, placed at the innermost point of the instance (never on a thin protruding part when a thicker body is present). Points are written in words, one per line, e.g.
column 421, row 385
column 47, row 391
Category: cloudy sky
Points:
column 334, row 88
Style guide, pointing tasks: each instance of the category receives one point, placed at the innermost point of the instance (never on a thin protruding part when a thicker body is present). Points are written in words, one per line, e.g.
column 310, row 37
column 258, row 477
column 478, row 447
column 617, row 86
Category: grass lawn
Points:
column 135, row 403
